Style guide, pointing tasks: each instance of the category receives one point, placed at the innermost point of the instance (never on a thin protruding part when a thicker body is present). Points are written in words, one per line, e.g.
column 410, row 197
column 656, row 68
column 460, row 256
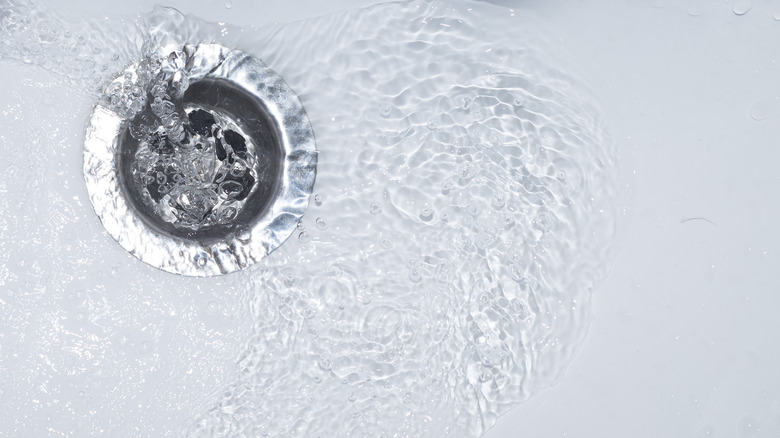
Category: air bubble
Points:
column 212, row 308
column 446, row 186
column 385, row 111
column 473, row 209
column 517, row 273
column 561, row 176
column 415, row 276
column 304, row 237
column 426, row 212
column 431, row 126
column 518, row 307
column 375, row 208
column 485, row 376
column 519, row 101
column 465, row 103
column 201, row 259
column 325, row 364
column 317, row 200
column 498, row 200
column 386, row 244
column 228, row 5
column 321, row 223
column 543, row 222
column 466, row 171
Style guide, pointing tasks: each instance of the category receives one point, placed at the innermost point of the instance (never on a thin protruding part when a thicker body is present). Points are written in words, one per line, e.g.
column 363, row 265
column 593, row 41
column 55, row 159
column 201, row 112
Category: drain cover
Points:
column 199, row 160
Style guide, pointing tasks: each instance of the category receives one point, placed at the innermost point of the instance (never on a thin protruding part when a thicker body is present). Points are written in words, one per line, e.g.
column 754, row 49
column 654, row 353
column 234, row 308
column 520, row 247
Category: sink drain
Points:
column 199, row 160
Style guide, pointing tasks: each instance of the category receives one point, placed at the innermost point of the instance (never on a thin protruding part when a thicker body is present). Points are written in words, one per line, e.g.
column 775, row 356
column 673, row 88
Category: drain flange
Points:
column 199, row 160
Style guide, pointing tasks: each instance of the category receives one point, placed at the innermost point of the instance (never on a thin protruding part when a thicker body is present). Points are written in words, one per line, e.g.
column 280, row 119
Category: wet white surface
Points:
column 682, row 337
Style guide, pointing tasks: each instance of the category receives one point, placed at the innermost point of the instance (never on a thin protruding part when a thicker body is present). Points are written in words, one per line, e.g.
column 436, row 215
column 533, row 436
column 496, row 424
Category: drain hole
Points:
column 223, row 166
column 199, row 160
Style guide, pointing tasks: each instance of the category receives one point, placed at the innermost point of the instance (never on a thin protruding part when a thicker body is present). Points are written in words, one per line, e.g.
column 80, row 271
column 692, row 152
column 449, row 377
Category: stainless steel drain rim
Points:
column 249, row 239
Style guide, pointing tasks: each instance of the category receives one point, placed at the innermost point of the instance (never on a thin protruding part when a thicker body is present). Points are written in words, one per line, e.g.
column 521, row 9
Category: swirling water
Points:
column 466, row 205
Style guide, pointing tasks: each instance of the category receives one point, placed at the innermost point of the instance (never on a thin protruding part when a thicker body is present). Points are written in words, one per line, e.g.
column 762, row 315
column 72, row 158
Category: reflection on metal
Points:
column 252, row 99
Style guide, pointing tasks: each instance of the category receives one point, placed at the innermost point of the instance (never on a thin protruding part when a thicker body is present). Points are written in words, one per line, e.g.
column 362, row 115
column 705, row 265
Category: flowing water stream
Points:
column 467, row 202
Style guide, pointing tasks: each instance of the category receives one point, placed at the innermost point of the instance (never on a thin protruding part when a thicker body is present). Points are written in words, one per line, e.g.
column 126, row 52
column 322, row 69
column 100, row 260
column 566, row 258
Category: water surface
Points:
column 465, row 207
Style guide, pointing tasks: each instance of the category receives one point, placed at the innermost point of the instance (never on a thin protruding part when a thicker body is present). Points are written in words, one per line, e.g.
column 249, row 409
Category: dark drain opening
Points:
column 203, row 99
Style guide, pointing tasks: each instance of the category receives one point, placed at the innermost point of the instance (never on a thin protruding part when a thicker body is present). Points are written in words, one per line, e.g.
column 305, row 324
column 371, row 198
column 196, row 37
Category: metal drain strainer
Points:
column 199, row 160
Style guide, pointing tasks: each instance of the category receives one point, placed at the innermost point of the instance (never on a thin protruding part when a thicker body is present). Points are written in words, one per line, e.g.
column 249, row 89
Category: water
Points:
column 193, row 166
column 466, row 206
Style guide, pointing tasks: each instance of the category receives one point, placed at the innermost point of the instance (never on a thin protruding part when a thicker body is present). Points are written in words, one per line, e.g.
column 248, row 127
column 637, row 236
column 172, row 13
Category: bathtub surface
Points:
column 682, row 339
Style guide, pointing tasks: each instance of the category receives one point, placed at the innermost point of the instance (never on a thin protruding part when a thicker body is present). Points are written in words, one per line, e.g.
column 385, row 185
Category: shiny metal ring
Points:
column 257, row 99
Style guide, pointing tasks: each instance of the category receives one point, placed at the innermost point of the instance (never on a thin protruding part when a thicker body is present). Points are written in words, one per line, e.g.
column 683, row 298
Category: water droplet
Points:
column 212, row 308
column 408, row 397
column 765, row 108
column 741, row 7
column 228, row 5
column 317, row 200
column 695, row 7
column 473, row 209
column 325, row 364
column 317, row 380
column 748, row 427
column 776, row 15
column 201, row 259
column 426, row 212
column 300, row 225
column 385, row 111
column 561, row 176
column 465, row 102
column 321, row 223
column 519, row 101
column 431, row 126
column 485, row 376
column 304, row 237
column 415, row 276
column 386, row 244
column 375, row 208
